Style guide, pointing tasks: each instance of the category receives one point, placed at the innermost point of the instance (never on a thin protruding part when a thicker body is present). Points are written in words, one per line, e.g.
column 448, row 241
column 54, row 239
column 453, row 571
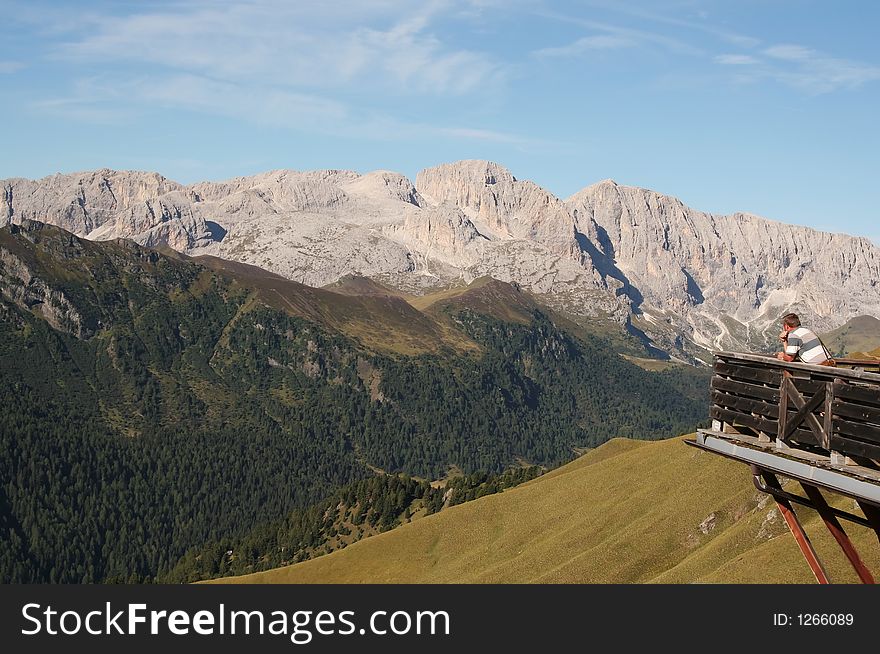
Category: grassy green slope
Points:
column 626, row 512
column 860, row 334
column 356, row 307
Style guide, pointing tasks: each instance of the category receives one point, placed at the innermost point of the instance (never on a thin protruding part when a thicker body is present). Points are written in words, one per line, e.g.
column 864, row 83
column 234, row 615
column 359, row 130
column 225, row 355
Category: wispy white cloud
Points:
column 470, row 134
column 794, row 65
column 287, row 44
column 301, row 66
column 587, row 43
column 419, row 60
column 790, row 52
column 736, row 60
column 738, row 39
column 802, row 68
column 267, row 106
column 7, row 67
column 632, row 10
column 83, row 110
column 637, row 36
column 119, row 101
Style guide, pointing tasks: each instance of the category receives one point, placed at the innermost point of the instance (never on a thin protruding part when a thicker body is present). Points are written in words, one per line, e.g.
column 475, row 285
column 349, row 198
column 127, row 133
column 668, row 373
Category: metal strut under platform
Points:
column 766, row 481
column 765, row 465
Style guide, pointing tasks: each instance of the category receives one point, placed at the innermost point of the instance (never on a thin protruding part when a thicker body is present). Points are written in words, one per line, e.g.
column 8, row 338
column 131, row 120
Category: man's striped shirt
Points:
column 805, row 346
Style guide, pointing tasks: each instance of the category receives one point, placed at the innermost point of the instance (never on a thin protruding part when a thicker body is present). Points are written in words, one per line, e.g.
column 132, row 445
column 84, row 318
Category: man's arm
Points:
column 792, row 347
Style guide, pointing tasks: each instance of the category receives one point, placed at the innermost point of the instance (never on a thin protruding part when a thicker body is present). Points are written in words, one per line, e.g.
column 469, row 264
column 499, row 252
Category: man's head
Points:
column 790, row 321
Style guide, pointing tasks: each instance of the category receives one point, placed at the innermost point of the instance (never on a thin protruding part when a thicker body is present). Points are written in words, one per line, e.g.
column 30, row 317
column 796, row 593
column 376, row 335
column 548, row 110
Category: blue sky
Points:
column 749, row 105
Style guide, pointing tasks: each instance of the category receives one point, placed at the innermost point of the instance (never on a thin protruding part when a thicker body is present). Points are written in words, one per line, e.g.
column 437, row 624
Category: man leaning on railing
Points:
column 801, row 344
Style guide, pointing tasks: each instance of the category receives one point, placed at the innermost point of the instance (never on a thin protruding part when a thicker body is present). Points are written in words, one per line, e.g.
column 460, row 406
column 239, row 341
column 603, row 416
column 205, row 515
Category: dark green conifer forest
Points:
column 154, row 414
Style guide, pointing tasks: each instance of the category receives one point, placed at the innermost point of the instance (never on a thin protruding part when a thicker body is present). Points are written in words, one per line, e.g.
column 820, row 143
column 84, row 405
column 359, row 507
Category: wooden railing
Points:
column 825, row 409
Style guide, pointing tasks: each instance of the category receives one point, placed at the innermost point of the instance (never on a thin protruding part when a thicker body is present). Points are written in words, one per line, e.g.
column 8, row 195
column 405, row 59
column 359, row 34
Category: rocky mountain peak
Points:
column 732, row 275
column 107, row 204
column 469, row 172
column 384, row 185
column 686, row 278
column 500, row 206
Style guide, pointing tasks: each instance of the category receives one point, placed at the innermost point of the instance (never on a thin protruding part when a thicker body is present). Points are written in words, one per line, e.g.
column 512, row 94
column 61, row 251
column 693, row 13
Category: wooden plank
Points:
column 734, row 418
column 745, row 405
column 808, row 386
column 824, row 371
column 805, row 437
column 758, row 391
column 760, row 423
column 860, row 430
column 850, row 446
column 857, row 392
column 856, row 412
column 749, row 373
column 864, row 364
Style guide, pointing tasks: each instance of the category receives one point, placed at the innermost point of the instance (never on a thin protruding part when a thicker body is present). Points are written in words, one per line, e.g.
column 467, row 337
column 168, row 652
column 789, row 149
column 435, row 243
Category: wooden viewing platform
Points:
column 818, row 425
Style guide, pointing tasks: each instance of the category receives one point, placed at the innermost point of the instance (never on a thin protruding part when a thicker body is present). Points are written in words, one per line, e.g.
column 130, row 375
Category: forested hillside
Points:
column 363, row 508
column 150, row 405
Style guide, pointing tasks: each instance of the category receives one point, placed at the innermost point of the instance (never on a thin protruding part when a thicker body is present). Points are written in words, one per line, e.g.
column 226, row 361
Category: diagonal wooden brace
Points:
column 804, row 410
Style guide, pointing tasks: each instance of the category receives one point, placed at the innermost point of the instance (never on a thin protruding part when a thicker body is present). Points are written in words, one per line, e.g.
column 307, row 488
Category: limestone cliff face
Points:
column 274, row 192
column 686, row 278
column 108, row 204
column 503, row 206
column 705, row 267
column 445, row 231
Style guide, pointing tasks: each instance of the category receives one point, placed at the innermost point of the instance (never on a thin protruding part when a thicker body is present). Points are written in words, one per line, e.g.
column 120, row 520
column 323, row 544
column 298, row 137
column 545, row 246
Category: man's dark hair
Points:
column 791, row 319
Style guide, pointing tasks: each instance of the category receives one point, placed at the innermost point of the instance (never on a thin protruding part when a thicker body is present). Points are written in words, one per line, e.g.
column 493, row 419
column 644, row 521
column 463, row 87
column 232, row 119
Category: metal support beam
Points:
column 833, row 478
column 872, row 513
column 794, row 525
column 838, row 532
column 803, row 501
column 859, row 484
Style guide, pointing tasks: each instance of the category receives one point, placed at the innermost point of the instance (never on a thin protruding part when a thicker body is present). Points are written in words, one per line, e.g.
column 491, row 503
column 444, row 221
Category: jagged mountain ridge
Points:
column 686, row 278
column 733, row 273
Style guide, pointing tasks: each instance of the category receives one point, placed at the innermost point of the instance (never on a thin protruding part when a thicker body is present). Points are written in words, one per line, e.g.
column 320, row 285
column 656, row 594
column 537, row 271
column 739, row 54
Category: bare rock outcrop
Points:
column 728, row 278
column 107, row 204
column 686, row 279
column 29, row 292
column 500, row 205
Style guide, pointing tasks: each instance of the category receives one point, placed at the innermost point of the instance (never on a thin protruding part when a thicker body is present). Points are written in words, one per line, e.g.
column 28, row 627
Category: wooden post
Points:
column 783, row 409
column 804, row 412
column 826, row 423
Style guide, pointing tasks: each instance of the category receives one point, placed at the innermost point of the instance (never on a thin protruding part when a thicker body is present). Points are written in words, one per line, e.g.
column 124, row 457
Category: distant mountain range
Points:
column 683, row 280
